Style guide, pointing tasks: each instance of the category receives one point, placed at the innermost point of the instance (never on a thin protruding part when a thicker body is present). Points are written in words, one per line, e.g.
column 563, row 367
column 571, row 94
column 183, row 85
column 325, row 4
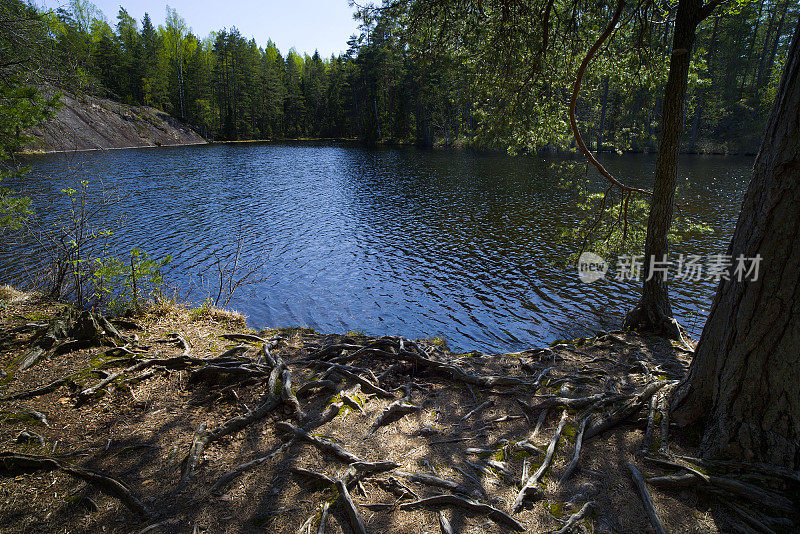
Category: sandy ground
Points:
column 140, row 432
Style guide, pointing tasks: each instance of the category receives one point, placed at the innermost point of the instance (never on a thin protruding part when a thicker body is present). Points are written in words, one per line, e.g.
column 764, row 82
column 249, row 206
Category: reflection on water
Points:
column 401, row 241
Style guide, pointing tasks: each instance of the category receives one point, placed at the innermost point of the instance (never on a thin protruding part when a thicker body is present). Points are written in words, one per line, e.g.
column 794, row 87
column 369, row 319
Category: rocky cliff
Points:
column 89, row 122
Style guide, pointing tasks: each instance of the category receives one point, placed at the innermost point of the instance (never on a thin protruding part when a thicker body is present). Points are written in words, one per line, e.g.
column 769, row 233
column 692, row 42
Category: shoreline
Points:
column 176, row 406
column 381, row 144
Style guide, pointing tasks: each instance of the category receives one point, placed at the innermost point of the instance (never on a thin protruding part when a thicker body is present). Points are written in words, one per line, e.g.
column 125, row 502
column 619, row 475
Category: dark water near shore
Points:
column 389, row 241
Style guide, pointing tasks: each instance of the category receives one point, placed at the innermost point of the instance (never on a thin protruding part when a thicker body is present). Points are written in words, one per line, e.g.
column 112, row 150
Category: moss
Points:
column 10, row 416
column 656, row 444
column 38, row 317
column 570, row 432
column 437, row 341
column 521, row 454
column 344, row 410
column 9, row 375
column 556, row 509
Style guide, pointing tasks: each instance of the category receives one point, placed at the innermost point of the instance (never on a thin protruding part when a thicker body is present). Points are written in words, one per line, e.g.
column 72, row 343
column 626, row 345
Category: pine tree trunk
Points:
column 762, row 61
column 773, row 52
column 743, row 379
column 603, row 101
column 654, row 313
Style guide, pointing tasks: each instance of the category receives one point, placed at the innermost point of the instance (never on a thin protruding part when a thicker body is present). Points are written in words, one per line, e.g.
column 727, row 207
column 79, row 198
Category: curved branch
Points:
column 574, row 99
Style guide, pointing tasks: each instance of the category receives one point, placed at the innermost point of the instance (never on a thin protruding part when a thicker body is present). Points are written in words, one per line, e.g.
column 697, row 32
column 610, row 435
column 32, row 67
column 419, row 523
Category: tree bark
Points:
column 602, row 128
column 774, row 50
column 654, row 313
column 701, row 104
column 742, row 381
column 762, row 61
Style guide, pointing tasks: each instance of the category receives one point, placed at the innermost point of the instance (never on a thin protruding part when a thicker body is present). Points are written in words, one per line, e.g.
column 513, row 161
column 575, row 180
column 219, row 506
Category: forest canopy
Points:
column 487, row 74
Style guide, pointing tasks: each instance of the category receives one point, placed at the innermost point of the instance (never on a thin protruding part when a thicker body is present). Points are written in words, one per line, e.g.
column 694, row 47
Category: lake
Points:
column 385, row 241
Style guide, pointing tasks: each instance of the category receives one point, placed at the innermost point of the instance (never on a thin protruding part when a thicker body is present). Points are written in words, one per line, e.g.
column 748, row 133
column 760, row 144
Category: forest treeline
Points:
column 491, row 73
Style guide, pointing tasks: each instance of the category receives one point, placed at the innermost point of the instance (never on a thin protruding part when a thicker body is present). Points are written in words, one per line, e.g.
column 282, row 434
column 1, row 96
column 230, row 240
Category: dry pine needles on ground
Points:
column 171, row 423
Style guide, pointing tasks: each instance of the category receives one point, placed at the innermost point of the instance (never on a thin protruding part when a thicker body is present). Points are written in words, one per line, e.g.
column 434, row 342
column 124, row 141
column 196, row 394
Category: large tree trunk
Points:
column 743, row 380
column 654, row 313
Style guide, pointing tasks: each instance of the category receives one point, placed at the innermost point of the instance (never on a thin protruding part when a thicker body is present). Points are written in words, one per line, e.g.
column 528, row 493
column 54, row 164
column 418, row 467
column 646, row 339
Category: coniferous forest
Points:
column 486, row 74
column 584, row 317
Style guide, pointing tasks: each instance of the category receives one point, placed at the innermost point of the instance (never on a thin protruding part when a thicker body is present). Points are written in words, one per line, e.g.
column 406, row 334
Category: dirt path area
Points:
column 180, row 421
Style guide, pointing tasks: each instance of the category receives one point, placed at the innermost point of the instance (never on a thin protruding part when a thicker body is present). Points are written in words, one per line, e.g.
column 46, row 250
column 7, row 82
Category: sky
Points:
column 306, row 25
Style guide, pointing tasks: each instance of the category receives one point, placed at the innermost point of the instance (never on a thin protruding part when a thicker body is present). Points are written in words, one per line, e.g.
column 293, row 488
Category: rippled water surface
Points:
column 400, row 241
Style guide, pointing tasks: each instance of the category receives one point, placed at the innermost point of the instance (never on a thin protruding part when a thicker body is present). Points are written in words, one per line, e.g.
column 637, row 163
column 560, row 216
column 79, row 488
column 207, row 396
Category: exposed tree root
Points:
column 226, row 372
column 308, row 389
column 444, row 524
column 176, row 362
column 356, row 523
column 647, row 501
column 749, row 518
column 440, row 501
column 478, row 408
column 566, row 402
column 70, row 330
column 44, row 390
column 436, row 482
column 269, row 402
column 314, row 476
column 324, row 445
column 365, row 384
column 626, row 411
column 572, row 521
column 573, row 465
column 396, row 410
column 394, row 486
column 416, row 356
column 773, row 471
column 530, row 488
column 289, row 398
column 22, row 463
column 738, row 488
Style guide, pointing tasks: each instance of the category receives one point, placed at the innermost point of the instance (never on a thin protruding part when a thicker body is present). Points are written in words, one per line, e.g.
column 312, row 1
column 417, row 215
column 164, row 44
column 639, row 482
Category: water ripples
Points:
column 400, row 241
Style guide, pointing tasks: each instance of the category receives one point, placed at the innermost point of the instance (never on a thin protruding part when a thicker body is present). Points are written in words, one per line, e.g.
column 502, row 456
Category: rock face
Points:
column 89, row 122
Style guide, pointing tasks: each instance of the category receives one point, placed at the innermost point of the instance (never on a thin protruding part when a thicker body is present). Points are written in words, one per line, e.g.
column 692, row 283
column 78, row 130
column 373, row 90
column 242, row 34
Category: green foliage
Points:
column 454, row 72
column 14, row 210
column 120, row 285
column 612, row 223
column 22, row 32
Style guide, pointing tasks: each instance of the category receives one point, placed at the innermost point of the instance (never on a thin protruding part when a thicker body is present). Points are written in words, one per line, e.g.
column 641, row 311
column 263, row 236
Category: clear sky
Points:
column 306, row 25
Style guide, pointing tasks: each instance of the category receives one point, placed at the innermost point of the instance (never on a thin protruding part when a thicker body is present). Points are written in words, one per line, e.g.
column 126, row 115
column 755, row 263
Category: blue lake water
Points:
column 386, row 241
